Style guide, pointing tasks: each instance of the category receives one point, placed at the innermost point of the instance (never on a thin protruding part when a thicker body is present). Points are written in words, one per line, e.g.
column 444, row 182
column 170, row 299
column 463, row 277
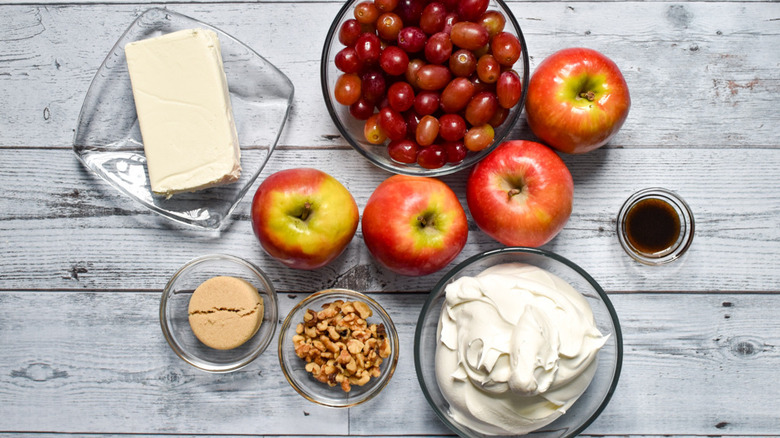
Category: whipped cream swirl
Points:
column 516, row 348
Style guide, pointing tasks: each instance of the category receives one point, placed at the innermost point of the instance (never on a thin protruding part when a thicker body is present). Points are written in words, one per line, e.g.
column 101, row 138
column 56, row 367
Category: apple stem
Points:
column 513, row 192
column 589, row 95
column 422, row 220
column 306, row 211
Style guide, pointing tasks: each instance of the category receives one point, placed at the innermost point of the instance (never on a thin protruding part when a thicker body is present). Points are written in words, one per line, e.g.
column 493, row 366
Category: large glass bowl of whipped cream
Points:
column 517, row 341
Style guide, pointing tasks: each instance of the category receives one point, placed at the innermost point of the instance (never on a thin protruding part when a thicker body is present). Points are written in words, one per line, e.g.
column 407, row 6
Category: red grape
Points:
column 450, row 19
column 411, row 71
column 481, row 108
column 400, row 96
column 426, row 102
column 374, row 85
column 386, row 5
column 451, row 5
column 499, row 117
column 438, row 48
column 361, row 109
column 479, row 137
column 368, row 47
column 373, row 132
column 509, row 89
column 432, row 19
column 411, row 39
column 347, row 89
column 349, row 32
column 456, row 151
column 392, row 123
column 463, row 63
column 388, row 25
column 403, row 151
column 480, row 85
column 410, row 11
column 488, row 69
column 469, row 36
column 368, row 27
column 412, row 120
column 452, row 127
column 456, row 95
column 366, row 12
column 394, row 61
column 384, row 103
column 347, row 60
column 471, row 10
column 432, row 157
column 493, row 21
column 427, row 131
column 506, row 48
column 433, row 77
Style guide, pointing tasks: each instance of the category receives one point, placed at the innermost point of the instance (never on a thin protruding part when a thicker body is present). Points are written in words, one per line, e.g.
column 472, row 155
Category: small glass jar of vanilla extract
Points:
column 655, row 226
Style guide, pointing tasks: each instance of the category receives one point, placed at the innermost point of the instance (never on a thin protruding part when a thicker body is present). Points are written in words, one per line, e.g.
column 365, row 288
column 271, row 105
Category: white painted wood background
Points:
column 81, row 267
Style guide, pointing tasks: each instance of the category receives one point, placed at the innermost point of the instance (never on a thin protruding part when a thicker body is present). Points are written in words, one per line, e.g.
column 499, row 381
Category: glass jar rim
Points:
column 684, row 214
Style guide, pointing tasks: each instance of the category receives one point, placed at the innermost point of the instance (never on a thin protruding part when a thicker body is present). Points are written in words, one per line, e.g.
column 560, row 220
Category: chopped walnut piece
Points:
column 355, row 346
column 344, row 357
column 363, row 310
column 310, row 318
column 339, row 346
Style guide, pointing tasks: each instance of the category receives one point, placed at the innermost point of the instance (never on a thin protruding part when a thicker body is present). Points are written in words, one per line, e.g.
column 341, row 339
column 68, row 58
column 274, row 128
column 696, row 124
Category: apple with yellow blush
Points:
column 304, row 217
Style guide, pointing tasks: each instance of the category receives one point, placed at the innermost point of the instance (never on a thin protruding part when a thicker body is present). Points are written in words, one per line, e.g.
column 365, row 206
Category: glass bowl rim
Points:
column 522, row 250
column 390, row 370
column 270, row 292
column 446, row 170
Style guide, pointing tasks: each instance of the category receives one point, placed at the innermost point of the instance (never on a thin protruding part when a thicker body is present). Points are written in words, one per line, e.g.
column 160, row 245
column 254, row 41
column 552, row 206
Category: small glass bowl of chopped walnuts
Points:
column 338, row 348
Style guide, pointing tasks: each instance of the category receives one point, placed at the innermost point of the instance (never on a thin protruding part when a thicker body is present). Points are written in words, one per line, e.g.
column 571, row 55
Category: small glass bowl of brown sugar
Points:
column 218, row 312
column 655, row 226
column 338, row 348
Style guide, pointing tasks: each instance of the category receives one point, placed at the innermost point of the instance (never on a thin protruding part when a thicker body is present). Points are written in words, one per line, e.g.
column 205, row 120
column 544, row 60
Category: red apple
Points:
column 521, row 194
column 577, row 100
column 304, row 217
column 414, row 225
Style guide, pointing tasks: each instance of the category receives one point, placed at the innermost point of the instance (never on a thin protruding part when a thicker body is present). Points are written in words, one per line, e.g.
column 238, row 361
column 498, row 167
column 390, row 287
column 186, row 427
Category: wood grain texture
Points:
column 81, row 266
column 102, row 353
column 697, row 79
column 66, row 229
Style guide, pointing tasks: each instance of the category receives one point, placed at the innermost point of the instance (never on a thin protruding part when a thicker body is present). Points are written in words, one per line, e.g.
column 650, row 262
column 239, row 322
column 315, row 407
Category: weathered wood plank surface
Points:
column 701, row 74
column 59, row 229
column 81, row 266
column 694, row 364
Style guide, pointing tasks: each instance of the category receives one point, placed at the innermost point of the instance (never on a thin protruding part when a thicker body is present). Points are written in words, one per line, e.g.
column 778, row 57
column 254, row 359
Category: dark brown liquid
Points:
column 652, row 226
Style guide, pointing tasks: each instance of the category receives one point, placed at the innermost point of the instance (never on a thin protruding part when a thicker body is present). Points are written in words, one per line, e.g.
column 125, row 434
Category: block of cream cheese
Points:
column 181, row 97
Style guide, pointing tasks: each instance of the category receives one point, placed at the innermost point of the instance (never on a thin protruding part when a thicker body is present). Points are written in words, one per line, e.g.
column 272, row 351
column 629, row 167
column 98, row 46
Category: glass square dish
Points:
column 108, row 139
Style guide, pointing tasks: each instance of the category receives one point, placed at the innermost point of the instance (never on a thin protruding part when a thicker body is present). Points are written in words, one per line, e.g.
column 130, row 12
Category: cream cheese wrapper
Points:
column 516, row 349
column 184, row 112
